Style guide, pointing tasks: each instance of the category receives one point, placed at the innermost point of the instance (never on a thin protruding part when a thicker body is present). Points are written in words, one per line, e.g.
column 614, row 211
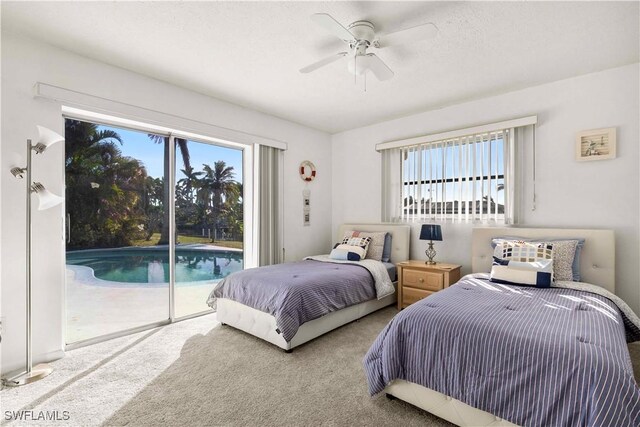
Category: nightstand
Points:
column 417, row 280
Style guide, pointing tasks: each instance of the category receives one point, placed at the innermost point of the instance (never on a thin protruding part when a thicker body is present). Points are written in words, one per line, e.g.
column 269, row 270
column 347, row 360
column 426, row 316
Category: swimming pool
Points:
column 151, row 265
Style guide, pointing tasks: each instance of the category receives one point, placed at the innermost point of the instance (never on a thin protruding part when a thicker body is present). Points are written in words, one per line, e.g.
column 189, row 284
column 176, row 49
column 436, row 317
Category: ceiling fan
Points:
column 360, row 36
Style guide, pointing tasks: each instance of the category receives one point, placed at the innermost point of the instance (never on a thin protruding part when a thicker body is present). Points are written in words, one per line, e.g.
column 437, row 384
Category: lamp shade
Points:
column 47, row 137
column 46, row 199
column 430, row 232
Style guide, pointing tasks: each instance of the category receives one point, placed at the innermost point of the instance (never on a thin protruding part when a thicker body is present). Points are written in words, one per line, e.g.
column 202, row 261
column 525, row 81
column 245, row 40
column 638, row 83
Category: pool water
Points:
column 152, row 265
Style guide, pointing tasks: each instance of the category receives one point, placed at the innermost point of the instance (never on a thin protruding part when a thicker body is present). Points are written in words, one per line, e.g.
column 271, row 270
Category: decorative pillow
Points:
column 347, row 253
column 376, row 246
column 576, row 261
column 564, row 252
column 362, row 242
column 520, row 263
column 386, row 250
column 566, row 255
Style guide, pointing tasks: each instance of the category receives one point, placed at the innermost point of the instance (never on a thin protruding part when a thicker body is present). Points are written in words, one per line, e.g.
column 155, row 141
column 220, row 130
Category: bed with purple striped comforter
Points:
column 297, row 292
column 535, row 357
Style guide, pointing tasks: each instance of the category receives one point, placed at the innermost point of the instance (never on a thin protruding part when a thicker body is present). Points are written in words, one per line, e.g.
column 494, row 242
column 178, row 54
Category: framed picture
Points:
column 596, row 144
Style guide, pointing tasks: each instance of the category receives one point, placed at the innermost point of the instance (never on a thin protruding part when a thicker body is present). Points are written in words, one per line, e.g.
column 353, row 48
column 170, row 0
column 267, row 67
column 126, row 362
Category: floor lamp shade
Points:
column 46, row 138
column 46, row 200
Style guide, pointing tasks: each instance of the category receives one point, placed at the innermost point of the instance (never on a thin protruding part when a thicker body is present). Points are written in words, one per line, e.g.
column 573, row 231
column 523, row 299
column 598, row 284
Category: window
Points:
column 458, row 176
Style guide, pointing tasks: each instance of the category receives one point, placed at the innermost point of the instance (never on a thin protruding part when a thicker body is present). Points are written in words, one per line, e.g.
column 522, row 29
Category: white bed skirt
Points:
column 263, row 325
column 443, row 406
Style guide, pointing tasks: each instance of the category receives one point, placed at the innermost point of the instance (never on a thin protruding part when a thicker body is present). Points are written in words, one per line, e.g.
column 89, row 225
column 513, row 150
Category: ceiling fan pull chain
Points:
column 355, row 67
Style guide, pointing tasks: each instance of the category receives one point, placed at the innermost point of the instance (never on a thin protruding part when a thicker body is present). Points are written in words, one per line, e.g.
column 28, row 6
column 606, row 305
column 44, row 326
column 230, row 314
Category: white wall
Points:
column 600, row 194
column 26, row 62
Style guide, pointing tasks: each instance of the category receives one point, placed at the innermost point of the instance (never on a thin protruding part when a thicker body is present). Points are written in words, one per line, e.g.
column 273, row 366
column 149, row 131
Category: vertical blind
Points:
column 463, row 179
column 270, row 248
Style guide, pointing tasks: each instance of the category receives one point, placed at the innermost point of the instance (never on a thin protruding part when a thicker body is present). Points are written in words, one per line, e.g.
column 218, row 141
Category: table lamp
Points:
column 430, row 232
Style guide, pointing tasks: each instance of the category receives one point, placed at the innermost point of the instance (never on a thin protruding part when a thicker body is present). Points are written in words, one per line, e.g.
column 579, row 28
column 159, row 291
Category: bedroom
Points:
column 230, row 71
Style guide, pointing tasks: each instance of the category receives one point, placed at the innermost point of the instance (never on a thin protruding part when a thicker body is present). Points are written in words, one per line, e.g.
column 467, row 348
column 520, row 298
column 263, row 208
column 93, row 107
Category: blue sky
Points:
column 139, row 146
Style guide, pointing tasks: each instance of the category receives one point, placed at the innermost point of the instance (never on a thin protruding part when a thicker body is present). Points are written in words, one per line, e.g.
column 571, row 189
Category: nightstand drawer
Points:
column 421, row 279
column 410, row 295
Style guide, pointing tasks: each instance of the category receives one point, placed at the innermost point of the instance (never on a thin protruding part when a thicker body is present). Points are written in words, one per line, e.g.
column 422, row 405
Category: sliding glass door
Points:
column 121, row 234
column 209, row 221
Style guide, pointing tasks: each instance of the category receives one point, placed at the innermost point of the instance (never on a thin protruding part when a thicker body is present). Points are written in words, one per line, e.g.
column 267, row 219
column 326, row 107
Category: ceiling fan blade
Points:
column 327, row 22
column 413, row 34
column 379, row 68
column 323, row 62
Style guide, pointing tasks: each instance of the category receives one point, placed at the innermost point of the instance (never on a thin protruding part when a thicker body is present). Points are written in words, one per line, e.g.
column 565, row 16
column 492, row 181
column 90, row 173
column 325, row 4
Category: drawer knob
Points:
column 421, row 280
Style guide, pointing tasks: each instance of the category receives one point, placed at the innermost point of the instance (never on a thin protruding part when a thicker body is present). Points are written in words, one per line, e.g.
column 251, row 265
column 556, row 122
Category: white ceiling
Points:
column 249, row 53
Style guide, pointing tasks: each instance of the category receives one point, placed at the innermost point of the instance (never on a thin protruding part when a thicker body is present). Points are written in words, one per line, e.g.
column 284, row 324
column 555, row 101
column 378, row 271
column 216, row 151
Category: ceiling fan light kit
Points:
column 360, row 36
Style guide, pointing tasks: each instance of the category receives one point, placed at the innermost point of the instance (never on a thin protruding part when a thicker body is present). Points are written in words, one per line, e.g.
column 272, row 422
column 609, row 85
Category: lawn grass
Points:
column 190, row 240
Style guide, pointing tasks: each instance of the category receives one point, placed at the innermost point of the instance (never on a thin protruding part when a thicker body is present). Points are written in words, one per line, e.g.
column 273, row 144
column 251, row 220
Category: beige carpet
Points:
column 198, row 373
column 250, row 382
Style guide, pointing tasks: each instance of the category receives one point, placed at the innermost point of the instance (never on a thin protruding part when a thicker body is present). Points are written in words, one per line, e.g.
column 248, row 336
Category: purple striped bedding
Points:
column 297, row 292
column 532, row 356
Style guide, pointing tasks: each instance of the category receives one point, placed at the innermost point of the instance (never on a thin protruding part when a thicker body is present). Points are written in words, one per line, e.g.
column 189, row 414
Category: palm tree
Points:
column 190, row 181
column 219, row 181
column 102, row 187
column 83, row 140
column 184, row 150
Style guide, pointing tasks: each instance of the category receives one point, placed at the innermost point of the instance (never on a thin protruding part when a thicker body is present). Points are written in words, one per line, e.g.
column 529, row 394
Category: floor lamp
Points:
column 46, row 200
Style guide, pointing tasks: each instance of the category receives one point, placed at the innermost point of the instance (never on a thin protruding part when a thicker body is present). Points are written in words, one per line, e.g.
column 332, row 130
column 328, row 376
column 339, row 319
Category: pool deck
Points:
column 97, row 307
column 197, row 246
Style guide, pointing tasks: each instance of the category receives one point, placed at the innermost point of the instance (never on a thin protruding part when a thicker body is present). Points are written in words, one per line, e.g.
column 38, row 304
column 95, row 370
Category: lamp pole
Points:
column 28, row 247
column 42, row 370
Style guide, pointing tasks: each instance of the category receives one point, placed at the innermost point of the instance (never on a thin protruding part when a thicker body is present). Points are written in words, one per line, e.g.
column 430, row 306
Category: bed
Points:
column 268, row 327
column 478, row 380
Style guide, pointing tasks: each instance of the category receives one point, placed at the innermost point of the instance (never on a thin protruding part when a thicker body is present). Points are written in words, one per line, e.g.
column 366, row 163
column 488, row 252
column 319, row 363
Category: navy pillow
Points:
column 386, row 250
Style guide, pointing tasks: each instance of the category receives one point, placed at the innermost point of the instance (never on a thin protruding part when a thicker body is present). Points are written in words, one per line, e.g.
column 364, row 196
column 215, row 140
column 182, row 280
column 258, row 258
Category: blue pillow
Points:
column 386, row 250
column 575, row 267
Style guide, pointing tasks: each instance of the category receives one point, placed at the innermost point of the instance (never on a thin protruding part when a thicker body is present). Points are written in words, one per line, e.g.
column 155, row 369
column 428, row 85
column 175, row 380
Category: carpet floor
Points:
column 199, row 373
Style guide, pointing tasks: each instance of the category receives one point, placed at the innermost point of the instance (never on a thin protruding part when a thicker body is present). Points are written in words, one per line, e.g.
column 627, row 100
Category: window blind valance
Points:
column 457, row 133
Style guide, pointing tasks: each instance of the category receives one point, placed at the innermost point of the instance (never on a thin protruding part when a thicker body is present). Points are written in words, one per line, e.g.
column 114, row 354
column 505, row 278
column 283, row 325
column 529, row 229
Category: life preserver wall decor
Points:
column 307, row 173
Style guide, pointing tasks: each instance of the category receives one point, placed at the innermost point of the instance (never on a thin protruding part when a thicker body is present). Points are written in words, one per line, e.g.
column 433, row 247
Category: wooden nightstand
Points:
column 417, row 280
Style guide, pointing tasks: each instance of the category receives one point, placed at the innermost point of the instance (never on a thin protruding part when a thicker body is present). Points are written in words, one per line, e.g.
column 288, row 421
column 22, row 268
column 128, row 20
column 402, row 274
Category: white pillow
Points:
column 347, row 253
column 520, row 263
column 362, row 242
column 375, row 248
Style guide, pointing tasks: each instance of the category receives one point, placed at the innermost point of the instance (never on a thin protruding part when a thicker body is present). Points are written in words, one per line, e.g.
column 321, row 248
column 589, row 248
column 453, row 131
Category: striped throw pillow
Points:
column 521, row 263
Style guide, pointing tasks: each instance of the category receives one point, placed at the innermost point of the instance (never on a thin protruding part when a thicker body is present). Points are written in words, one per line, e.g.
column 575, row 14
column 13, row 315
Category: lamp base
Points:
column 37, row 373
column 430, row 253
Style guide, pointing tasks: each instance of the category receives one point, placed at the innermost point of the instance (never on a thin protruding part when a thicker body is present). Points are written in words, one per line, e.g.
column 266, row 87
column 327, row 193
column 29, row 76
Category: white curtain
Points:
column 270, row 248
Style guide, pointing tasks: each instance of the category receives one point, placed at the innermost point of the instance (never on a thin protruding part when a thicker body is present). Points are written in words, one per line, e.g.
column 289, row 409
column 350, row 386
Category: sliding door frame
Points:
column 249, row 242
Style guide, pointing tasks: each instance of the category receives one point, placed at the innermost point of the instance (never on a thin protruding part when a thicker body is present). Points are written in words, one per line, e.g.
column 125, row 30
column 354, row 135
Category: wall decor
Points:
column 596, row 144
column 308, row 174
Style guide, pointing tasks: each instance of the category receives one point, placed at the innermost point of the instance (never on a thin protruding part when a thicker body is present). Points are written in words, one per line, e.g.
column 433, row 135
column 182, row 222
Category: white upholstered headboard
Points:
column 400, row 235
column 597, row 261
